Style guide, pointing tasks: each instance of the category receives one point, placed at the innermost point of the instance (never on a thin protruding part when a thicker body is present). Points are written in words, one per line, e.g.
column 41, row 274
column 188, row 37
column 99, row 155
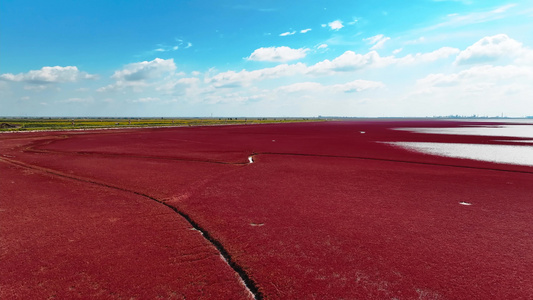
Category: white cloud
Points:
column 348, row 61
column 178, row 45
column 146, row 99
column 335, row 25
column 278, row 54
column 232, row 79
column 355, row 20
column 305, row 30
column 483, row 73
column 145, row 70
column 36, row 87
column 178, row 85
column 481, row 90
column 189, row 80
column 441, row 53
column 48, row 75
column 457, row 20
column 417, row 41
column 315, row 87
column 288, row 33
column 377, row 41
column 301, row 87
column 78, row 100
column 490, row 48
column 137, row 86
column 358, row 86
column 322, row 46
column 396, row 51
column 136, row 75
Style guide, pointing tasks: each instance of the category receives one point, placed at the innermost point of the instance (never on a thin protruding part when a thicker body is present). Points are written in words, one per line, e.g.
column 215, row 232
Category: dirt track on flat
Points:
column 325, row 212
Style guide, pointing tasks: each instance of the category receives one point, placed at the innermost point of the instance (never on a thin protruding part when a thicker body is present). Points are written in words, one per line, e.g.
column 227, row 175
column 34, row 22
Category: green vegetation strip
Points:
column 26, row 124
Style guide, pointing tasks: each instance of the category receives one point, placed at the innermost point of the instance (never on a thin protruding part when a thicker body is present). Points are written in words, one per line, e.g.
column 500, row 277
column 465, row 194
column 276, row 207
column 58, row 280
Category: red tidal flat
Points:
column 325, row 212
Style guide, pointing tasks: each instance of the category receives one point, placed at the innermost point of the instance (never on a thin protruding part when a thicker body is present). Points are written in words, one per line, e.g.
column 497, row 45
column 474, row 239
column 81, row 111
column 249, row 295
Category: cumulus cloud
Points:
column 145, row 70
column 377, row 41
column 305, row 30
column 48, row 75
column 189, row 80
column 179, row 85
column 136, row 75
column 335, row 25
column 278, row 54
column 481, row 89
column 490, row 48
column 137, row 86
column 232, row 79
column 301, row 86
column 485, row 73
column 348, row 61
column 441, row 53
column 358, row 86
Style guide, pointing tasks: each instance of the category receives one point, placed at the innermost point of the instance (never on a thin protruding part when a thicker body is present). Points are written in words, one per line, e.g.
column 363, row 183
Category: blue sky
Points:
column 266, row 58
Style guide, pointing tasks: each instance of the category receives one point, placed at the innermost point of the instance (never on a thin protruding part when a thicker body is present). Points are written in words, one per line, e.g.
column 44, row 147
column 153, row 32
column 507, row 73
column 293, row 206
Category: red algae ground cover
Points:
column 63, row 238
column 326, row 210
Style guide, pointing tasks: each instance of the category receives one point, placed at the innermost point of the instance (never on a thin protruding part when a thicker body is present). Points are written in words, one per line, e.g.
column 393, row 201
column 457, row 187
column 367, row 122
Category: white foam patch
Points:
column 522, row 131
column 250, row 159
column 507, row 154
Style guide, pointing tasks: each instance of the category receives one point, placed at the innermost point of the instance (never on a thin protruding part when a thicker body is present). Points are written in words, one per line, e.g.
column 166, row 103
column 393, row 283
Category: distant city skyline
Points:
column 266, row 58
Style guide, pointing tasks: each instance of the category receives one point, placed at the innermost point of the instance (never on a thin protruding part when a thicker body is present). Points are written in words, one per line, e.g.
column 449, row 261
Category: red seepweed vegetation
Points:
column 326, row 211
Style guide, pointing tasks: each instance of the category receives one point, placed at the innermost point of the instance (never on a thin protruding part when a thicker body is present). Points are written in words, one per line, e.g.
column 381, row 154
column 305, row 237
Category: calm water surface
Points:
column 519, row 154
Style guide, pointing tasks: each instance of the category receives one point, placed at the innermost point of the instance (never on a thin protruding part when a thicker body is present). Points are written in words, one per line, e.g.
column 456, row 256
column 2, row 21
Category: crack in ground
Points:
column 248, row 282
